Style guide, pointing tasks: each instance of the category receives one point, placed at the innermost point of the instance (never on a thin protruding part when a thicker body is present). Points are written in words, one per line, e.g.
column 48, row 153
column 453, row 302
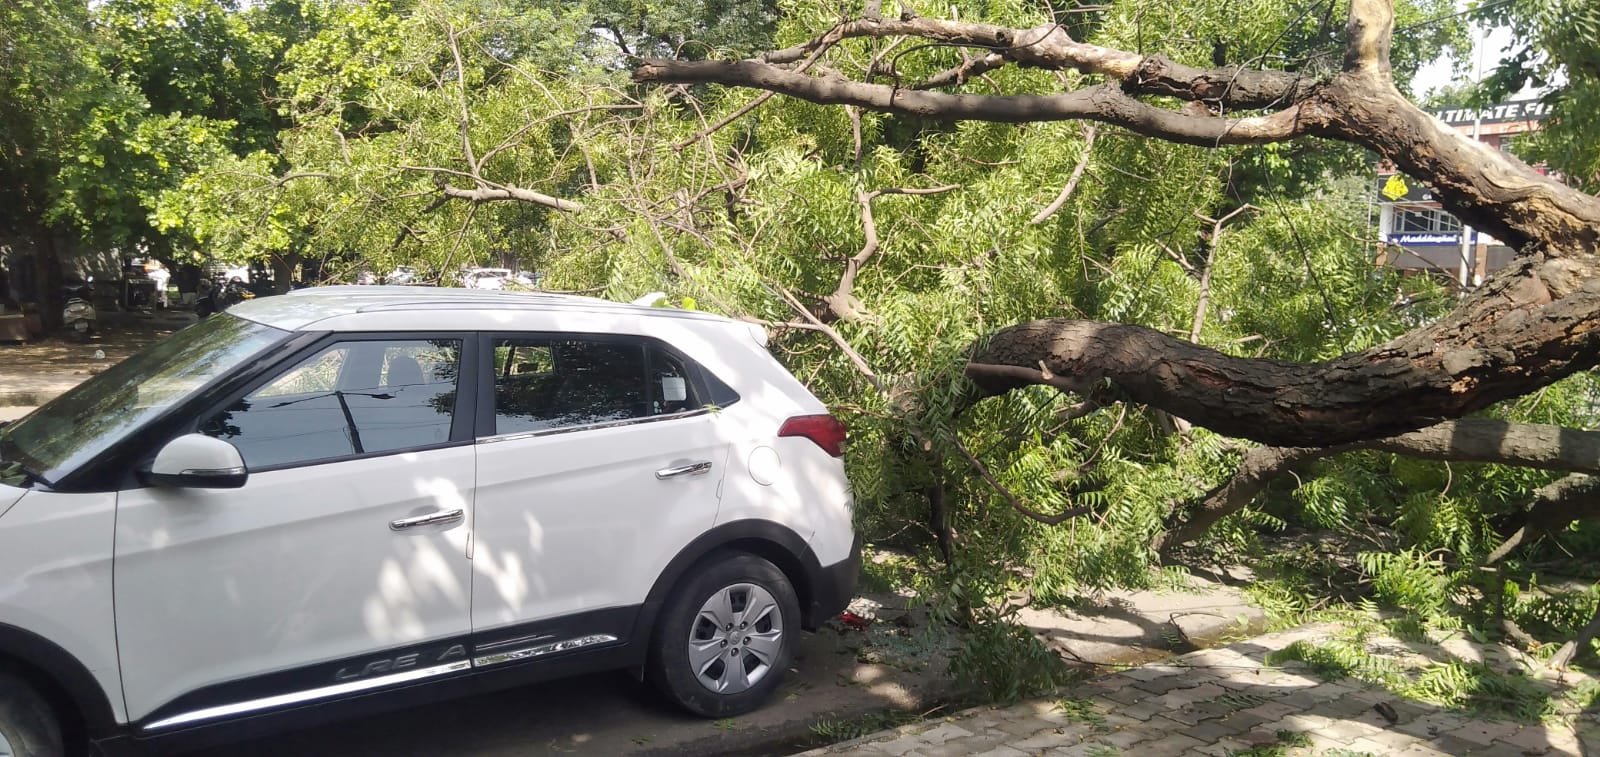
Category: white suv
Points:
column 354, row 498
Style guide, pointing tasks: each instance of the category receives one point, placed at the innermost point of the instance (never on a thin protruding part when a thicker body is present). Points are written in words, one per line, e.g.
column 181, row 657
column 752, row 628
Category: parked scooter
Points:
column 222, row 295
column 79, row 315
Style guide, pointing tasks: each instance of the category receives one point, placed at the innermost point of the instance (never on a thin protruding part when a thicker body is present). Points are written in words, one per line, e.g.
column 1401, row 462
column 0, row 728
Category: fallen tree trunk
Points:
column 1535, row 322
column 1470, row 440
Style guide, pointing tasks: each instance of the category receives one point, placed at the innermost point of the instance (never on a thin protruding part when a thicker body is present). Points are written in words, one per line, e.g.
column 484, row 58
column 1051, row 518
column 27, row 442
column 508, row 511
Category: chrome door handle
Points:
column 431, row 519
column 692, row 469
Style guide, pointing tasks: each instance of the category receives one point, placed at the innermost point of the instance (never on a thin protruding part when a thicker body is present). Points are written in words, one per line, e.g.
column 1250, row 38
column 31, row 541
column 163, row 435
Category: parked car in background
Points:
column 351, row 498
column 529, row 279
column 402, row 274
column 486, row 278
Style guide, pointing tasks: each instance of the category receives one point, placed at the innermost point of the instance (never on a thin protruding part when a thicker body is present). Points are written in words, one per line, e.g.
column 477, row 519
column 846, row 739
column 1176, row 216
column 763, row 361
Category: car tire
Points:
column 28, row 726
column 726, row 636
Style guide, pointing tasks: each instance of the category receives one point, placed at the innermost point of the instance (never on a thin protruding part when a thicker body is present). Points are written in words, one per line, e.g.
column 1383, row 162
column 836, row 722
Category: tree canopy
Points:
column 1086, row 280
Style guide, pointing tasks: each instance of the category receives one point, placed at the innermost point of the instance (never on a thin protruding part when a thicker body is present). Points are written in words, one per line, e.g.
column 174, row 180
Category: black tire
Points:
column 27, row 724
column 765, row 654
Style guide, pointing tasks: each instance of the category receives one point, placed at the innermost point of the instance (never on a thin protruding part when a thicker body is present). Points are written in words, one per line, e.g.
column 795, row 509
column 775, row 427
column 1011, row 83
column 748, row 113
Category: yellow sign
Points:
column 1395, row 188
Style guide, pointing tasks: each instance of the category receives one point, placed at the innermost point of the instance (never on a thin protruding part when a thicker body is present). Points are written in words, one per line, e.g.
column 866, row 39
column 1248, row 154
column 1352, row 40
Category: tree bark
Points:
column 1477, row 440
column 1536, row 321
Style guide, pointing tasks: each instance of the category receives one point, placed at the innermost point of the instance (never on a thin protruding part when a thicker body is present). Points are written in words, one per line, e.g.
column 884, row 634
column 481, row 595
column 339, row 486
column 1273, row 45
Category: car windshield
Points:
column 87, row 420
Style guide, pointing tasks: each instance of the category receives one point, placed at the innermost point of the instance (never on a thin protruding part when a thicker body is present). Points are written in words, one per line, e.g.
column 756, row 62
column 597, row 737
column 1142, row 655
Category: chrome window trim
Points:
column 297, row 697
column 515, row 435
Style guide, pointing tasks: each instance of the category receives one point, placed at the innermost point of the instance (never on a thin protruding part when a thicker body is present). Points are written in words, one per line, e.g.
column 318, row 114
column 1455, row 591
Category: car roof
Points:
column 302, row 309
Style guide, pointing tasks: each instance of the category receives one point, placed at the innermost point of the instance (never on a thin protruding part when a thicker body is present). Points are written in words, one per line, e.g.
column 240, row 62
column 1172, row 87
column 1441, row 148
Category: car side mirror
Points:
column 198, row 461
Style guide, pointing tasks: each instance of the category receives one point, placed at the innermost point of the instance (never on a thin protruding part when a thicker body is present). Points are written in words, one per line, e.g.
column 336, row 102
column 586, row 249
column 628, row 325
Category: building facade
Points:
column 1417, row 233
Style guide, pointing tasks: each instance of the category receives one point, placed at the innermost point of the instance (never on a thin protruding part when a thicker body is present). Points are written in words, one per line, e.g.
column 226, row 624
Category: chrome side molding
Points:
column 365, row 684
column 298, row 697
column 543, row 649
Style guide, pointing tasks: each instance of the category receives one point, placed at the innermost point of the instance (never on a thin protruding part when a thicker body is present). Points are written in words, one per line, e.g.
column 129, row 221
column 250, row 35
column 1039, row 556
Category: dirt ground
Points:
column 34, row 372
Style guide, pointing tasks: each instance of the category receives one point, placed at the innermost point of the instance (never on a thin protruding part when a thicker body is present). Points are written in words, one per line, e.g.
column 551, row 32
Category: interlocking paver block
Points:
column 1449, row 744
column 1222, row 748
column 899, row 747
column 1142, row 710
column 1210, row 731
column 1210, row 703
column 1081, row 750
column 1499, row 749
column 1171, row 746
column 1162, row 685
column 1048, row 740
column 1269, row 711
column 1241, row 722
column 1199, row 712
column 1371, row 746
column 1129, row 695
column 1542, row 737
column 1192, row 694
column 1347, row 730
column 1485, row 732
column 1002, row 751
column 1305, row 721
column 1152, row 672
column 1127, row 738
column 1344, row 708
column 943, row 732
column 1022, row 728
column 1421, row 750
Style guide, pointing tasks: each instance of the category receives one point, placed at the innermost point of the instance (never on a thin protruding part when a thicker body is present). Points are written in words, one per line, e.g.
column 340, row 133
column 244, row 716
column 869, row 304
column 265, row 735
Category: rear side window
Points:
column 351, row 398
column 543, row 384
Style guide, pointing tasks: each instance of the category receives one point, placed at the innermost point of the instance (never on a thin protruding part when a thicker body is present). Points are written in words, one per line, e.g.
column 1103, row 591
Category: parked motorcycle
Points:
column 224, row 294
column 79, row 316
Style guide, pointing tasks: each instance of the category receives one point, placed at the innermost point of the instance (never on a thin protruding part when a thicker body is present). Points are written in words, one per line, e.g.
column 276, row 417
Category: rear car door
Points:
column 597, row 461
column 340, row 566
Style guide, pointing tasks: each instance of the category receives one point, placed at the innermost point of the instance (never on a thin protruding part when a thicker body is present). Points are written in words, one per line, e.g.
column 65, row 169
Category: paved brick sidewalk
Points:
column 1225, row 701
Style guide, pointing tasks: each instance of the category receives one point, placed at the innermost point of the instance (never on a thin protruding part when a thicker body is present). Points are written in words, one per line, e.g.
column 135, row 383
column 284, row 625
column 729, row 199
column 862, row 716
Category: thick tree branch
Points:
column 1049, row 46
column 1476, row 440
column 1421, row 378
column 1552, row 507
column 1533, row 323
column 1368, row 34
column 1105, row 103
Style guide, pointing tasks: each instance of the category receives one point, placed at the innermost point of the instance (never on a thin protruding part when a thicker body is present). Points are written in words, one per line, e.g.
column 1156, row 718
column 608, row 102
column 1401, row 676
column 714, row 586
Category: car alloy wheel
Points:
column 725, row 637
column 736, row 638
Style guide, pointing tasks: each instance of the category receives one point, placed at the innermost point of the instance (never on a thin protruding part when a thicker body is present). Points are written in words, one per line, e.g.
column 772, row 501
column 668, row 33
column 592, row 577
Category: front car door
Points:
column 341, row 566
column 598, row 460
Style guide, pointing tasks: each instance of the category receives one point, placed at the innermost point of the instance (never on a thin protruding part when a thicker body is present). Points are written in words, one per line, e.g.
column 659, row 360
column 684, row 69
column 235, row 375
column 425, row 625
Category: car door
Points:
column 597, row 462
column 342, row 565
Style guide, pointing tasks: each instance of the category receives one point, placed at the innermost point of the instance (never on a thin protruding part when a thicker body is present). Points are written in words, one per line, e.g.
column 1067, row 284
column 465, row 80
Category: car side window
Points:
column 351, row 398
column 543, row 384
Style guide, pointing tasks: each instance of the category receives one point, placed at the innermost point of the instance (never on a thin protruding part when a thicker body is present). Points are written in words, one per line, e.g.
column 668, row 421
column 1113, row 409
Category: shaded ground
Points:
column 34, row 372
column 1240, row 701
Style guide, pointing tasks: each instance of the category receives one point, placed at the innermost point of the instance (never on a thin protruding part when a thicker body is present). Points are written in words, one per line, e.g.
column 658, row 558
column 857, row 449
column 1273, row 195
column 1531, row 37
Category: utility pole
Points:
column 1468, row 249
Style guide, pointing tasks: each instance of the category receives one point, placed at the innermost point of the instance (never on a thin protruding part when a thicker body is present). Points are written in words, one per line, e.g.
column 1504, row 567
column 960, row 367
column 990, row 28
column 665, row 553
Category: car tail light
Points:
column 824, row 430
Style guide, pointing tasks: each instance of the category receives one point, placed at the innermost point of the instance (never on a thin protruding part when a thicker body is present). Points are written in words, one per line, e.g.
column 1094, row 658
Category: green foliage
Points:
column 1552, row 50
column 1003, row 661
column 329, row 130
column 831, row 731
